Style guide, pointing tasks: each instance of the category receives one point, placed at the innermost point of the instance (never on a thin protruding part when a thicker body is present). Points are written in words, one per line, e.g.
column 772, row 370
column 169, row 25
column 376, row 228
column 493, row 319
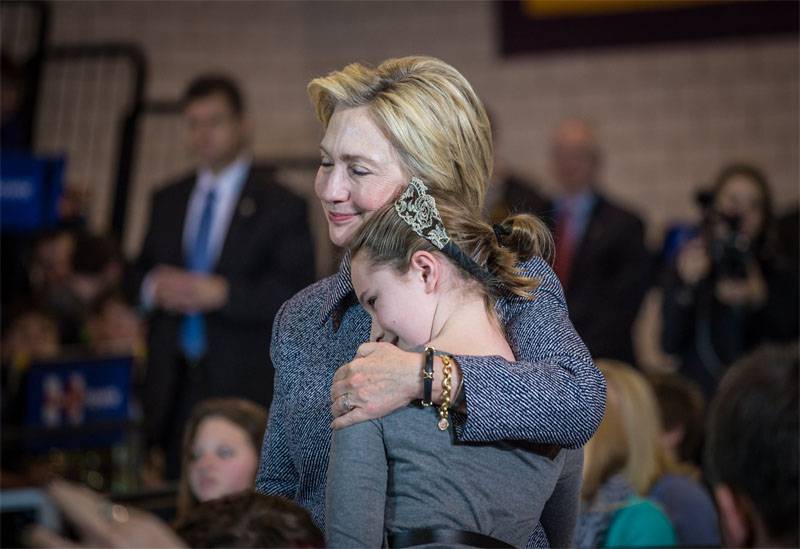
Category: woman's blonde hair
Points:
column 245, row 414
column 427, row 110
column 628, row 440
column 388, row 240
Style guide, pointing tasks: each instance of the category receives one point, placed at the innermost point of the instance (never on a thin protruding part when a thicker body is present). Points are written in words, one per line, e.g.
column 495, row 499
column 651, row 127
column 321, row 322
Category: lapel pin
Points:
column 247, row 207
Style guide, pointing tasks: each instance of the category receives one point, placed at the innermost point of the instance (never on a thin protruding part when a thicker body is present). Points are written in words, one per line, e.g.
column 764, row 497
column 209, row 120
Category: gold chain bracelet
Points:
column 447, row 385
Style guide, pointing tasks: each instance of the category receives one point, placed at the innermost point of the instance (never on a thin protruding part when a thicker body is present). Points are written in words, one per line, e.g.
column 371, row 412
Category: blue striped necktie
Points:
column 193, row 329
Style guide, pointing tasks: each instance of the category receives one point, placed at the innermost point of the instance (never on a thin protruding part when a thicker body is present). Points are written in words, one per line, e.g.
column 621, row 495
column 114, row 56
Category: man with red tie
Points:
column 601, row 258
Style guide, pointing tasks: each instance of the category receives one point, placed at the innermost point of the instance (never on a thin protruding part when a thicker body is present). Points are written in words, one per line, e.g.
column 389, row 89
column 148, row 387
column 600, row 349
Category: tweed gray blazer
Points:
column 553, row 394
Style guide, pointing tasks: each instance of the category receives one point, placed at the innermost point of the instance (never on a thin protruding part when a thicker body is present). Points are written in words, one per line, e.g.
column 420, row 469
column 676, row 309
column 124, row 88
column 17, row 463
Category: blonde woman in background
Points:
column 632, row 489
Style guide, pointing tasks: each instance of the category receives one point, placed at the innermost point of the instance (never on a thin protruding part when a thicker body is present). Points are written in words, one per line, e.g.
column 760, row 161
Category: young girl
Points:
column 220, row 451
column 428, row 274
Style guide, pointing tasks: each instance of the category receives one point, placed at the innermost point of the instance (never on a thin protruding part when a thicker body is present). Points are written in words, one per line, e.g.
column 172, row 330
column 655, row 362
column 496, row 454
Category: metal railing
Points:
column 89, row 103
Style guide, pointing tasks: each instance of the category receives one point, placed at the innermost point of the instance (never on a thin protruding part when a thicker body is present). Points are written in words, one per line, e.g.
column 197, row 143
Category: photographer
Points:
column 724, row 290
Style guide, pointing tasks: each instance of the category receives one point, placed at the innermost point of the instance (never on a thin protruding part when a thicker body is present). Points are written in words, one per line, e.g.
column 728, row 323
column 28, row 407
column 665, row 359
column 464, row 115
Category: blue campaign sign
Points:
column 77, row 394
column 30, row 187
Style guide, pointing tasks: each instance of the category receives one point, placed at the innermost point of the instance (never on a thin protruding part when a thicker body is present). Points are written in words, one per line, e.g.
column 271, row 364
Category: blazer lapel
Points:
column 178, row 222
column 245, row 212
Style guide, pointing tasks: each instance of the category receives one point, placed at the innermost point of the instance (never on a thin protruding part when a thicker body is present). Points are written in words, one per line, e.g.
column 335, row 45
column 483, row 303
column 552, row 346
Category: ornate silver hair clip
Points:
column 418, row 209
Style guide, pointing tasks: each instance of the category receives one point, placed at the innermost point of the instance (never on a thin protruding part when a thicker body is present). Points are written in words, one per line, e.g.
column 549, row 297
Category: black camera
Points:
column 728, row 247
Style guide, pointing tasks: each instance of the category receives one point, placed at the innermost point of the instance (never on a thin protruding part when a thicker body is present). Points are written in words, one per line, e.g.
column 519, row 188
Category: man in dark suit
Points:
column 225, row 247
column 601, row 257
column 509, row 194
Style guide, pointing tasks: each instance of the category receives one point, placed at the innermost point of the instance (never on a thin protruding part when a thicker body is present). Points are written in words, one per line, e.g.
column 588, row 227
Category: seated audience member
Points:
column 726, row 291
column 68, row 271
column 96, row 269
column 601, row 256
column 751, row 453
column 634, row 495
column 249, row 519
column 242, row 520
column 678, row 489
column 73, row 204
column 52, row 246
column 682, row 408
column 618, row 473
column 32, row 335
column 99, row 523
column 49, row 266
column 113, row 327
column 221, row 446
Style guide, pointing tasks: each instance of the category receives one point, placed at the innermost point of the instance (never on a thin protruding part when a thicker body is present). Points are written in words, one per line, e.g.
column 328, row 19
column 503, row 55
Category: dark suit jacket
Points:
column 267, row 256
column 609, row 274
column 520, row 196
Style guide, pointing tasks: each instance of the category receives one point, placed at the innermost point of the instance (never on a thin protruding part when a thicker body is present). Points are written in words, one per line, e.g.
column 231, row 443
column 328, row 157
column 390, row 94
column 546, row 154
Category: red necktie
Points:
column 564, row 245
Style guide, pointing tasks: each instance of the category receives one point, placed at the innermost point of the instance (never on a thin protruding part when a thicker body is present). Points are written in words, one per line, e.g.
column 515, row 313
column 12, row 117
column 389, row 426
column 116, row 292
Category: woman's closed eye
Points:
column 359, row 171
column 225, row 452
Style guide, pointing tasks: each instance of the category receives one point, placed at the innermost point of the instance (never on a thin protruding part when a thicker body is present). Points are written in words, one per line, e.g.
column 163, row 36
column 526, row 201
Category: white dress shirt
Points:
column 228, row 184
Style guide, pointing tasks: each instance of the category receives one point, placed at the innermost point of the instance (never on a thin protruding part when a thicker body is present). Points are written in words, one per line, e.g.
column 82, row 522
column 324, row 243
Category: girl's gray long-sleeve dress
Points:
column 553, row 394
column 401, row 472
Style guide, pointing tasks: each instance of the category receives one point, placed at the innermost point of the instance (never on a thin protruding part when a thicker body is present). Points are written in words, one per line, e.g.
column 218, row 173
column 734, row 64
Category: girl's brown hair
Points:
column 247, row 415
column 388, row 240
column 249, row 519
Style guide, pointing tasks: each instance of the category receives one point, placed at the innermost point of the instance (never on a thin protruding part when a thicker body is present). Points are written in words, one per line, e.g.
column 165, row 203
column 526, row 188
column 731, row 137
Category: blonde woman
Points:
column 414, row 116
column 631, row 486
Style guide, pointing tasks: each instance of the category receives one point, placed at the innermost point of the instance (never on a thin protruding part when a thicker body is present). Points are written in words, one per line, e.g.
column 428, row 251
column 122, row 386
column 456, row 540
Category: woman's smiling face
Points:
column 360, row 171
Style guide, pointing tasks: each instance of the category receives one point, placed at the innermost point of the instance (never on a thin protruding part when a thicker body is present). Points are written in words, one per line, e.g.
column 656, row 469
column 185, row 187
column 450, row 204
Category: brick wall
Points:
column 668, row 116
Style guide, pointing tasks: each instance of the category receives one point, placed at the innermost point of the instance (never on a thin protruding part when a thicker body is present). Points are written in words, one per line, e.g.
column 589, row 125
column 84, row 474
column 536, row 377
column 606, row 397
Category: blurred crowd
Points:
column 729, row 280
column 642, row 486
column 729, row 283
column 71, row 299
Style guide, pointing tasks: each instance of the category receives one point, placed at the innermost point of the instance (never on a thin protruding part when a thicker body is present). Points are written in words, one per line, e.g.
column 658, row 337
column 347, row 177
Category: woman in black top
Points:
column 725, row 290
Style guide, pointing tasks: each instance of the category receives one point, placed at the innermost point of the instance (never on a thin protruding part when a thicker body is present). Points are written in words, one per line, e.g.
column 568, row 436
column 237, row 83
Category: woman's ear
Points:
column 427, row 268
column 734, row 517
